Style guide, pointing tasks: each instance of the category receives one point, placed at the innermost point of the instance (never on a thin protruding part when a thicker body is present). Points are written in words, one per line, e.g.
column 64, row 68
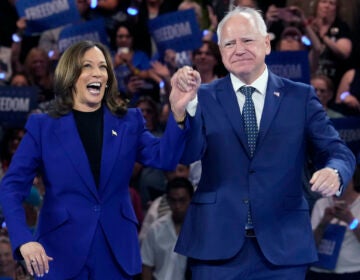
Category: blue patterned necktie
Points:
column 249, row 118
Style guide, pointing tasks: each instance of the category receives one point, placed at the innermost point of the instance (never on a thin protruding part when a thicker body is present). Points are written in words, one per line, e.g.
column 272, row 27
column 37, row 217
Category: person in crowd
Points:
column 324, row 89
column 9, row 145
column 290, row 40
column 7, row 262
column 10, row 269
column 207, row 60
column 252, row 131
column 157, row 248
column 344, row 211
column 129, row 61
column 38, row 69
column 160, row 206
column 331, row 41
column 19, row 80
column 149, row 181
column 348, row 93
column 85, row 148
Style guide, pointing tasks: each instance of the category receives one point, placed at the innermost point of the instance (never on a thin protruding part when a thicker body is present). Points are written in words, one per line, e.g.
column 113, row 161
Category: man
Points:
column 248, row 218
column 159, row 259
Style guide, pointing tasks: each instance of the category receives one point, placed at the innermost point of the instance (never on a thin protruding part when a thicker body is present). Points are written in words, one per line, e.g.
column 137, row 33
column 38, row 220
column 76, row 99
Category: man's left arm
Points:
column 335, row 160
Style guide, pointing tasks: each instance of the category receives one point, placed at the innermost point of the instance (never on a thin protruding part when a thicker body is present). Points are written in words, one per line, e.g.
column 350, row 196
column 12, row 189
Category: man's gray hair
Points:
column 254, row 14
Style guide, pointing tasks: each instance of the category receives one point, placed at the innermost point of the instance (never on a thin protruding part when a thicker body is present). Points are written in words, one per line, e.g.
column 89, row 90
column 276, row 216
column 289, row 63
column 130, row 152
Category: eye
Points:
column 229, row 45
column 87, row 65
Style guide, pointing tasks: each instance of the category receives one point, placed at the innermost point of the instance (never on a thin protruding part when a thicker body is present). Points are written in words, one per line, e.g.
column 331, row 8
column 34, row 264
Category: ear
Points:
column 267, row 44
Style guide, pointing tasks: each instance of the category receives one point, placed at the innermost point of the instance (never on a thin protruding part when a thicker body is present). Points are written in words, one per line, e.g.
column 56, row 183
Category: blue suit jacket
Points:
column 293, row 122
column 73, row 206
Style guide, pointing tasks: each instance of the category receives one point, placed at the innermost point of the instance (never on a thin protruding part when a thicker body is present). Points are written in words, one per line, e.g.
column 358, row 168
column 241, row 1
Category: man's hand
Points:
column 185, row 84
column 325, row 181
column 37, row 262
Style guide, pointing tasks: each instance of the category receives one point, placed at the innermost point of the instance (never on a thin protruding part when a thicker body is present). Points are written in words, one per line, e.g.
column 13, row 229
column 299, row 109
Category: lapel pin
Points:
column 113, row 133
column 277, row 94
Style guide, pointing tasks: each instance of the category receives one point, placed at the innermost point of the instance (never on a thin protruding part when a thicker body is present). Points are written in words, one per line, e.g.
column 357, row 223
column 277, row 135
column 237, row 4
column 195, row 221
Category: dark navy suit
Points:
column 293, row 122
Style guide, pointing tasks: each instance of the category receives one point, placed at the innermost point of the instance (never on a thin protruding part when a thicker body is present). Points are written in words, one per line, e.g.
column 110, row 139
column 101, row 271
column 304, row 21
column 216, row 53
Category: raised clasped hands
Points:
column 184, row 86
column 325, row 181
column 36, row 259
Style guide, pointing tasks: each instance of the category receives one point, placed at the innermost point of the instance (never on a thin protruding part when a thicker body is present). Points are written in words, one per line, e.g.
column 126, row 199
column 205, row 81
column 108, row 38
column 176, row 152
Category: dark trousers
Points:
column 312, row 275
column 248, row 264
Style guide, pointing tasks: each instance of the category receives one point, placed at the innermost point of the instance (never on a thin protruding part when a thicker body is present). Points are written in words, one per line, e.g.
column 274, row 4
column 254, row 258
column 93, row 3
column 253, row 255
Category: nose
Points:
column 239, row 48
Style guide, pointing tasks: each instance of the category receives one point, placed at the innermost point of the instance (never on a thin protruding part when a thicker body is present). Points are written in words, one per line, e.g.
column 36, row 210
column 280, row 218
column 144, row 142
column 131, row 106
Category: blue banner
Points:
column 293, row 65
column 15, row 104
column 349, row 130
column 179, row 31
column 42, row 15
column 93, row 30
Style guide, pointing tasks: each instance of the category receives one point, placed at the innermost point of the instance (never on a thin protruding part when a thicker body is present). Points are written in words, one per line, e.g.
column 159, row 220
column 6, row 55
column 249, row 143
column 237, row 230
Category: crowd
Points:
column 160, row 198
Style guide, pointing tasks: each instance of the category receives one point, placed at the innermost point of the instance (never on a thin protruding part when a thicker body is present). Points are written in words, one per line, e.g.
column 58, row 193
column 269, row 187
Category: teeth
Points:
column 94, row 85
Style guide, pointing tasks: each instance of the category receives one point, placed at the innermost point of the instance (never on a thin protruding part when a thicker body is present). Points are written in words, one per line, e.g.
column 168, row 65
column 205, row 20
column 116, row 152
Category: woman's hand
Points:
column 36, row 260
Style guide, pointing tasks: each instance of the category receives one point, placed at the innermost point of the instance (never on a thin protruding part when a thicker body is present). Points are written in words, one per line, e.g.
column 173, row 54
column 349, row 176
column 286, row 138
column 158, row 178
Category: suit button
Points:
column 252, row 171
column 97, row 208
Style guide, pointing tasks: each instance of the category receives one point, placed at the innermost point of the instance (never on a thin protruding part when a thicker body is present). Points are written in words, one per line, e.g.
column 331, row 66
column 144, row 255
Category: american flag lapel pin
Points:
column 277, row 94
column 113, row 133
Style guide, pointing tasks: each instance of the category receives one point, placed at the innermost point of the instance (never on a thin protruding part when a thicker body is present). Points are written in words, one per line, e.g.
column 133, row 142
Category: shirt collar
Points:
column 260, row 83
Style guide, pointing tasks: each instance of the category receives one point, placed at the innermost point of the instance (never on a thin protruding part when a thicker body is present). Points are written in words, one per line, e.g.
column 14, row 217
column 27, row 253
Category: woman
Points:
column 331, row 40
column 85, row 149
column 130, row 62
column 207, row 60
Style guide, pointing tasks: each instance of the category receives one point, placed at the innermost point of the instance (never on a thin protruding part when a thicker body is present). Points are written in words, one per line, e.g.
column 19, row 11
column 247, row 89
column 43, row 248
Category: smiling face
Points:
column 243, row 48
column 90, row 86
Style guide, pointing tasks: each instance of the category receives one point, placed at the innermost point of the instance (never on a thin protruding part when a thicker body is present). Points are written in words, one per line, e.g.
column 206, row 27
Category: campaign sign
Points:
column 293, row 65
column 42, row 15
column 349, row 130
column 15, row 104
column 177, row 30
column 93, row 30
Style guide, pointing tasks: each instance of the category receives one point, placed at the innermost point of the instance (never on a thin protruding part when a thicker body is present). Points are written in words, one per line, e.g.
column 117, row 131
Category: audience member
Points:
column 157, row 248
column 207, row 60
column 39, row 71
column 324, row 89
column 331, row 40
column 348, row 93
column 7, row 262
column 160, row 207
column 19, row 80
column 344, row 211
column 129, row 61
column 290, row 40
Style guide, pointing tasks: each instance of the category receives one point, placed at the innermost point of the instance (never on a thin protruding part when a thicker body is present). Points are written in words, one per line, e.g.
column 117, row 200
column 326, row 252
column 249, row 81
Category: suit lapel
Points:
column 69, row 138
column 112, row 137
column 274, row 95
column 227, row 99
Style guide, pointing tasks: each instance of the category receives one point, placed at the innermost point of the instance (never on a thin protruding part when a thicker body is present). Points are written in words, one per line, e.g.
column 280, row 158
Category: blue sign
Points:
column 178, row 31
column 293, row 65
column 93, row 30
column 42, row 15
column 15, row 104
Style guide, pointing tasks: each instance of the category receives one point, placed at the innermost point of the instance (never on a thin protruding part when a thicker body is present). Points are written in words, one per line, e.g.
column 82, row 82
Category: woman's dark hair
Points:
column 67, row 73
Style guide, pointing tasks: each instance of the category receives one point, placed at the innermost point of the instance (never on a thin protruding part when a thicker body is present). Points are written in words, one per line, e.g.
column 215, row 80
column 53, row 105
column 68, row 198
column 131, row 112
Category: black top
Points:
column 90, row 128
